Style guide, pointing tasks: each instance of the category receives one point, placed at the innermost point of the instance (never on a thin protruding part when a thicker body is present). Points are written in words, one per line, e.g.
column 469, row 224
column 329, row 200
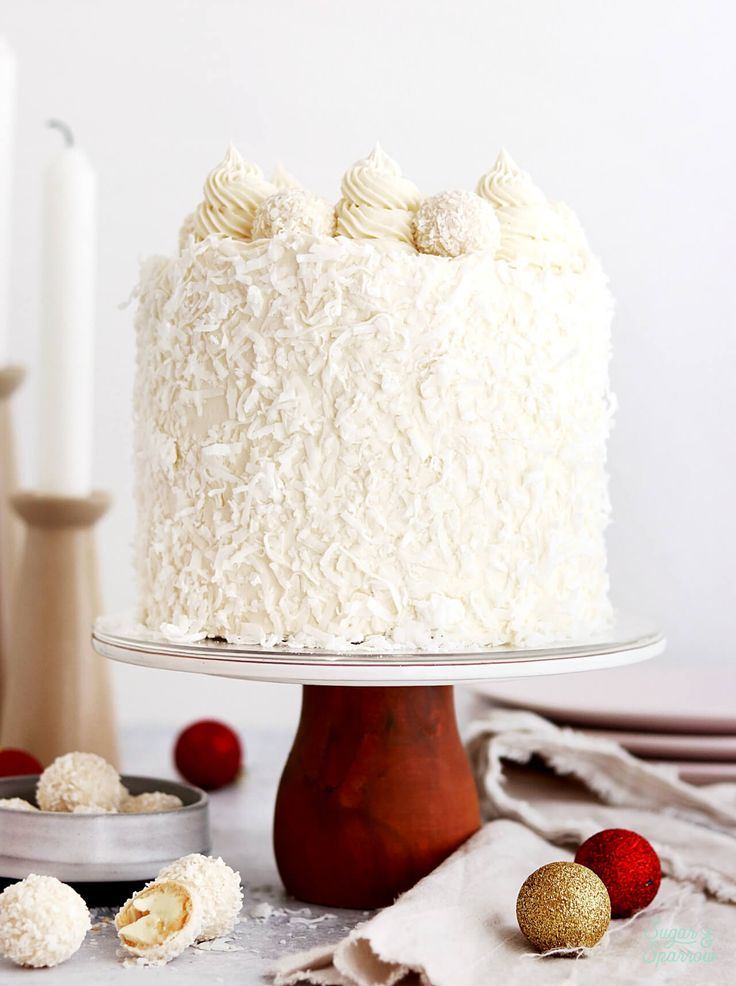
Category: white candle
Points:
column 7, row 140
column 67, row 327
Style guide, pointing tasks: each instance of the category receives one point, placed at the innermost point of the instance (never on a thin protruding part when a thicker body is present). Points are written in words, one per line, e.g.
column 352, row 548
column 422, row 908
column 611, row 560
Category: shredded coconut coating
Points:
column 453, row 223
column 293, row 212
column 80, row 781
column 341, row 442
column 218, row 887
column 42, row 922
column 136, row 804
column 17, row 804
column 163, row 945
column 188, row 230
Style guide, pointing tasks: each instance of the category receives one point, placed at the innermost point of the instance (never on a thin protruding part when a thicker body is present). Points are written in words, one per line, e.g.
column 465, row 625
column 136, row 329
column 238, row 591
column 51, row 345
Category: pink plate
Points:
column 703, row 773
column 672, row 746
column 655, row 697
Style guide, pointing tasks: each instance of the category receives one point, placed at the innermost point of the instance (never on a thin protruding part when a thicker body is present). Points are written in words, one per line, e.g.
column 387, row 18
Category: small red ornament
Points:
column 16, row 762
column 208, row 754
column 627, row 865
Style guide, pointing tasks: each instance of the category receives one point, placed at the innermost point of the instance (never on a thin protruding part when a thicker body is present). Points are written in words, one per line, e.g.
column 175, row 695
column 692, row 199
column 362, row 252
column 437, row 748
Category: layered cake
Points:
column 378, row 425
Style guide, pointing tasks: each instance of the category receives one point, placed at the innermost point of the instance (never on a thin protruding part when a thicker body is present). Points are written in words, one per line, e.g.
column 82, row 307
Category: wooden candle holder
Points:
column 11, row 378
column 376, row 792
column 57, row 696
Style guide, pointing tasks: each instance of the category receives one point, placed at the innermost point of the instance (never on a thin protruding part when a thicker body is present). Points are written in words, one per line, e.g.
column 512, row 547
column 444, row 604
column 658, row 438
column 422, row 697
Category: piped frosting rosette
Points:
column 232, row 193
column 533, row 229
column 281, row 179
column 377, row 201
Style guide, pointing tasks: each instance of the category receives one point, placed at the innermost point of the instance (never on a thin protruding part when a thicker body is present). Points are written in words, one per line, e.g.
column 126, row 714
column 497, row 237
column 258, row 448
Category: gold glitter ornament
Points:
column 563, row 905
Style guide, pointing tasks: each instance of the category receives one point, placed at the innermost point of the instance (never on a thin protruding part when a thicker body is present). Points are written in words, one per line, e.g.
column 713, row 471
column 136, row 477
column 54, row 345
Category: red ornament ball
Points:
column 208, row 754
column 627, row 865
column 15, row 762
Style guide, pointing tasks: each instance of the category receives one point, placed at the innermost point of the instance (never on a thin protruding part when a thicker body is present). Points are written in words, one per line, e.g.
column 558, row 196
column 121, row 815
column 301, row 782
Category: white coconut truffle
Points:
column 42, row 921
column 17, row 804
column 293, row 212
column 217, row 886
column 138, row 804
column 159, row 922
column 79, row 779
column 453, row 223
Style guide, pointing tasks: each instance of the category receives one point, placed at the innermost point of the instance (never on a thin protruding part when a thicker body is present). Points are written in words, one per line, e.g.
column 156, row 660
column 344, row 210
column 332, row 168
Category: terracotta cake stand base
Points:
column 377, row 789
column 376, row 792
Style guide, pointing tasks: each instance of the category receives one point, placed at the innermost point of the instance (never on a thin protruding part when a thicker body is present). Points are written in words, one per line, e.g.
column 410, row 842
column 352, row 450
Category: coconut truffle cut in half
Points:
column 159, row 922
column 42, row 922
column 217, row 886
column 80, row 780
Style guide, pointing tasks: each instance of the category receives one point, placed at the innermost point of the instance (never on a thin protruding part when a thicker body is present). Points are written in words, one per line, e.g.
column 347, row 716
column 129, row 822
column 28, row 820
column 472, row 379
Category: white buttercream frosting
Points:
column 532, row 228
column 281, row 179
column 453, row 223
column 341, row 441
column 377, row 201
column 232, row 193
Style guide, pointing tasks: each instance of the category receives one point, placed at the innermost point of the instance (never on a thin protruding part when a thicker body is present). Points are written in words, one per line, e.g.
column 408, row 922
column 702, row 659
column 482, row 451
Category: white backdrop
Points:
column 625, row 110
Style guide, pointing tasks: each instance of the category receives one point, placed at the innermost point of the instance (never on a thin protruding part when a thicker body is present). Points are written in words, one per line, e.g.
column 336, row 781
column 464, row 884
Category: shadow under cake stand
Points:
column 377, row 789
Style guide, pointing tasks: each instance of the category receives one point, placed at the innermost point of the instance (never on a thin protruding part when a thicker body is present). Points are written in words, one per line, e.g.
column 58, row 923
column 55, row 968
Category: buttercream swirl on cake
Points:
column 377, row 201
column 232, row 193
column 507, row 186
column 281, row 179
column 532, row 228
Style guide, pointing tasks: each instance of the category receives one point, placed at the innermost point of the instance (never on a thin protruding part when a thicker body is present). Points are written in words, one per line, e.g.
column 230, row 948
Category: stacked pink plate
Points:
column 684, row 716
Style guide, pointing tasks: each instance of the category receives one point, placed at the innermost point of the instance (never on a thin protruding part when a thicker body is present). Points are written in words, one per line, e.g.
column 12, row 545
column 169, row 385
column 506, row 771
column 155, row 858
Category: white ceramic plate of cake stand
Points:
column 119, row 638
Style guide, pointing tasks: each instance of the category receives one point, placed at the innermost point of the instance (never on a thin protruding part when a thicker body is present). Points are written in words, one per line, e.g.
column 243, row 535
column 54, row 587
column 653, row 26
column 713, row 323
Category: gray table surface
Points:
column 241, row 828
column 241, row 818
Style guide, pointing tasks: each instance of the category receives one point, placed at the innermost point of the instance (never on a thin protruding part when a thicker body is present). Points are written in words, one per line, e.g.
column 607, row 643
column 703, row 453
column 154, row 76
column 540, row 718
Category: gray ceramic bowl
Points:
column 100, row 848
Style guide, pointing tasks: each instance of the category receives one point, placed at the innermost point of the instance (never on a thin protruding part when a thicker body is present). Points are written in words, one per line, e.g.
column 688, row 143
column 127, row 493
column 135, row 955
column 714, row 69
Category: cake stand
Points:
column 377, row 789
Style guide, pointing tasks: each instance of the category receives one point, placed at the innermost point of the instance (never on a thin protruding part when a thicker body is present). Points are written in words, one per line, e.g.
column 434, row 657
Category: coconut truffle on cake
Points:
column 159, row 922
column 80, row 780
column 42, row 922
column 137, row 804
column 218, row 887
column 293, row 212
column 454, row 223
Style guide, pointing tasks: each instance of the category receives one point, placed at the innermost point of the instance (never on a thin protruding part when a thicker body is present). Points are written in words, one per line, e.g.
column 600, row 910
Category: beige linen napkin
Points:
column 692, row 828
column 457, row 926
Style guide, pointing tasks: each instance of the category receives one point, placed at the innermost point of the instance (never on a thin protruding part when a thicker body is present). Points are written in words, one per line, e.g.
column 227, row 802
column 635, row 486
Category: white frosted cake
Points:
column 378, row 426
